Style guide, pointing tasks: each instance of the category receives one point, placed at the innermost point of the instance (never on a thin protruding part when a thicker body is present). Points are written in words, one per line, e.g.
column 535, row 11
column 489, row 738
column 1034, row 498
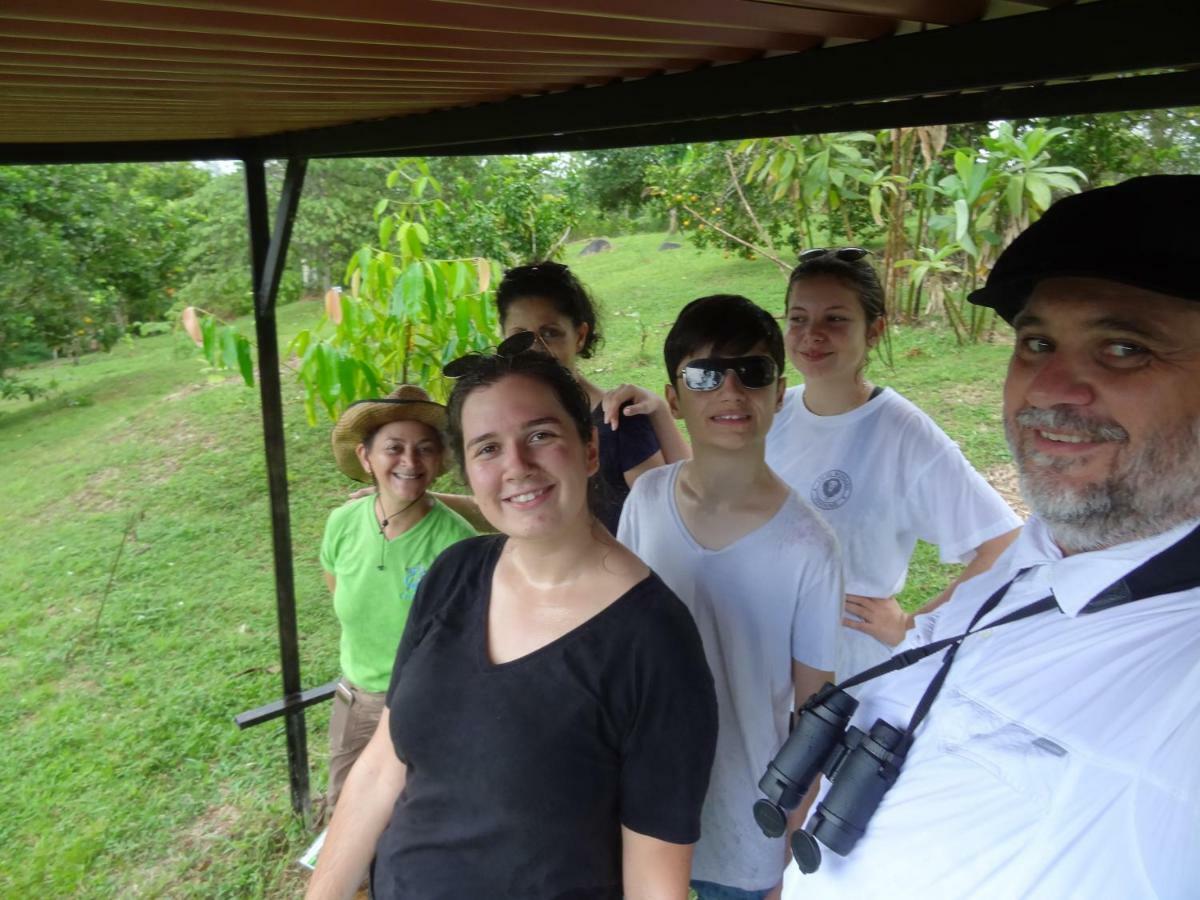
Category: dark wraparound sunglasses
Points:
column 846, row 254
column 709, row 374
column 519, row 343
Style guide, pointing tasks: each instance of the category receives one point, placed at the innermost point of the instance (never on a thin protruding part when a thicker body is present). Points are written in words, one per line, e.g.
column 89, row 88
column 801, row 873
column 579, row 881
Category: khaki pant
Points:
column 355, row 714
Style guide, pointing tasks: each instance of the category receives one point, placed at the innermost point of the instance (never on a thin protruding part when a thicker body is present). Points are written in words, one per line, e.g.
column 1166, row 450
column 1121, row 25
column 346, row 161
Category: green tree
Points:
column 87, row 251
column 1110, row 147
column 333, row 220
column 509, row 208
column 610, row 189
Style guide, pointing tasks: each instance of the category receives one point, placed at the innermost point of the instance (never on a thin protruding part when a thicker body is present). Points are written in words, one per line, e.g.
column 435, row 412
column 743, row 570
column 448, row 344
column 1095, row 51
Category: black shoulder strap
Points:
column 1175, row 569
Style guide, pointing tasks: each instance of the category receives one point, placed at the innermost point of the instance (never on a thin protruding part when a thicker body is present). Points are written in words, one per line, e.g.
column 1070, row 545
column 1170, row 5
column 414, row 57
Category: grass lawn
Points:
column 137, row 611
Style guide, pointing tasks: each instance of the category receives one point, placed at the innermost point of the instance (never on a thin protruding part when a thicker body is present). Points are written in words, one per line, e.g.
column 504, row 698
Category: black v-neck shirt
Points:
column 521, row 774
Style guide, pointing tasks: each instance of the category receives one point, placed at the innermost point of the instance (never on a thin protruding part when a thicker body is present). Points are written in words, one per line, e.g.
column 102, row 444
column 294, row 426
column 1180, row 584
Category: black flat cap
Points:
column 1143, row 232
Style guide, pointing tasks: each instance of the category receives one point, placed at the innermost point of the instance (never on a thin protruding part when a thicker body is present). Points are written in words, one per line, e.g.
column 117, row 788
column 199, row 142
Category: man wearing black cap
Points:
column 1060, row 756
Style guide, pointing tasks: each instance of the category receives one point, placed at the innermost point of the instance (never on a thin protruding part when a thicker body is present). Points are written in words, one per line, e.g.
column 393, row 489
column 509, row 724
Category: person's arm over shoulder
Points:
column 638, row 447
column 456, row 525
column 628, row 400
column 466, row 508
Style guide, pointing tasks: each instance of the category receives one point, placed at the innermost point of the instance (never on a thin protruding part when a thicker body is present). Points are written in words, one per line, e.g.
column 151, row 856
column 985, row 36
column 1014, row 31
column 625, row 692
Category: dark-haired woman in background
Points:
column 551, row 720
column 874, row 465
column 547, row 299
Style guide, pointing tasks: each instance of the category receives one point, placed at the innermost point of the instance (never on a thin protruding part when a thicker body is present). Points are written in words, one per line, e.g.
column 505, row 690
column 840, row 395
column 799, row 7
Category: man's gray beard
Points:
column 1147, row 495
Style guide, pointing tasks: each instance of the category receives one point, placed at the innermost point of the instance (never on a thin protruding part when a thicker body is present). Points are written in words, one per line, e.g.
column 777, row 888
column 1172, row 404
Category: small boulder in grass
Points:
column 599, row 245
column 669, row 245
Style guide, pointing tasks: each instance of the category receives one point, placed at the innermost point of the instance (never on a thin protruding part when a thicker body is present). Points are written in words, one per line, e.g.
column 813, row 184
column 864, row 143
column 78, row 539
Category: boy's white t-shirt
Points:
column 882, row 476
column 770, row 597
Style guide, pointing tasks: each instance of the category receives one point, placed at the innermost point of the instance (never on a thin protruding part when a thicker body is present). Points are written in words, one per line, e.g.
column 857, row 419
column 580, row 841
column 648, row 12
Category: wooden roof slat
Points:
column 25, row 75
column 826, row 19
column 636, row 38
column 932, row 12
column 612, row 52
column 439, row 96
column 270, row 55
column 722, row 26
column 48, row 63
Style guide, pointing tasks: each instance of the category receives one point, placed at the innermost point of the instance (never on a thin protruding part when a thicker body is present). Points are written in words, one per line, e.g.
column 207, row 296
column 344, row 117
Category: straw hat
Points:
column 408, row 403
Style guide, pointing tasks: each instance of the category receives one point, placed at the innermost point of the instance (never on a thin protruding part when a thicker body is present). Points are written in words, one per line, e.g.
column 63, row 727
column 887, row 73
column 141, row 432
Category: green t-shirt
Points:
column 371, row 604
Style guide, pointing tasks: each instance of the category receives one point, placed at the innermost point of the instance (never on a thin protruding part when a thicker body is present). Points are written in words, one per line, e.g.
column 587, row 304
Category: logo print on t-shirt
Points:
column 412, row 577
column 831, row 489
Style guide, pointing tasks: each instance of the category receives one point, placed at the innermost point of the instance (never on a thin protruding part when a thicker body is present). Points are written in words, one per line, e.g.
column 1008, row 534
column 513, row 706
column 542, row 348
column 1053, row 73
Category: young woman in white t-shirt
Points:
column 877, row 467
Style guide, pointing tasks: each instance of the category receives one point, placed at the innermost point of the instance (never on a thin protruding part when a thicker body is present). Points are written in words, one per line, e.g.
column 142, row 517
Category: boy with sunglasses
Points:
column 758, row 568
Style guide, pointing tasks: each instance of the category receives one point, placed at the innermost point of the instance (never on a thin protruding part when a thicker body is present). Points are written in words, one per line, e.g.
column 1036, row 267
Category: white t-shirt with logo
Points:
column 883, row 475
column 770, row 597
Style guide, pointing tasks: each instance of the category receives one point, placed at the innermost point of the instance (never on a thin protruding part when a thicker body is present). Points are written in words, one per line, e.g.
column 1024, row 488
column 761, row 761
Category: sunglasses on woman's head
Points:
column 708, row 374
column 511, row 346
column 846, row 254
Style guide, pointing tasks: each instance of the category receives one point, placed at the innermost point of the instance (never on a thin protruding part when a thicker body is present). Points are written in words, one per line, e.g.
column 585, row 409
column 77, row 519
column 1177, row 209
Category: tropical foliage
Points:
column 406, row 313
column 937, row 213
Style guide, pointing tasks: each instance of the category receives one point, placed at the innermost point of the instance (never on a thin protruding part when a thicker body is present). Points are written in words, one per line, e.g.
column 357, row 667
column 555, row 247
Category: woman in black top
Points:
column 551, row 720
column 547, row 299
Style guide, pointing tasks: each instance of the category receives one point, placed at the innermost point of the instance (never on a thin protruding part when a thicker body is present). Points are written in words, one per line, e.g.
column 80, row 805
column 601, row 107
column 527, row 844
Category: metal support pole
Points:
column 268, row 251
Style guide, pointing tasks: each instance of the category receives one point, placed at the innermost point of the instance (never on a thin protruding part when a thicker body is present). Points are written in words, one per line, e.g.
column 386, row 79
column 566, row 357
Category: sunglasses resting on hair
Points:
column 846, row 254
column 514, row 345
column 708, row 374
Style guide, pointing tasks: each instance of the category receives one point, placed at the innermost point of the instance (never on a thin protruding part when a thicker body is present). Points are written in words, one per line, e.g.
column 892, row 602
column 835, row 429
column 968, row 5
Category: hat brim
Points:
column 366, row 416
column 1009, row 297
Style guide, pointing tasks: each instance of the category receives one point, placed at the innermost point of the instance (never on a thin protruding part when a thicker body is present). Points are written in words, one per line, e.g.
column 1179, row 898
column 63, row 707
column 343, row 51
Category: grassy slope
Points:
column 124, row 773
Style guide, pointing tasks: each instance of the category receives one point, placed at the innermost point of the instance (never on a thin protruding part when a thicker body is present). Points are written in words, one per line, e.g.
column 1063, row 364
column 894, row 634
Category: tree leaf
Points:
column 962, row 219
column 875, row 200
column 1038, row 190
column 787, row 167
column 1014, row 195
column 229, row 351
column 412, row 240
column 208, row 339
column 327, row 380
column 245, row 361
column 410, row 289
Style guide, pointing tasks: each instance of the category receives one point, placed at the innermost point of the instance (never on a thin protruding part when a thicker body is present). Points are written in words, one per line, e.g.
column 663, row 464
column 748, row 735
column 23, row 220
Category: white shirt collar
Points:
column 1076, row 579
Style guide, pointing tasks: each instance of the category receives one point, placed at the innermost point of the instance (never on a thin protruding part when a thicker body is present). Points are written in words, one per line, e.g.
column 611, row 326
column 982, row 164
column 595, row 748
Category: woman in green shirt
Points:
column 377, row 548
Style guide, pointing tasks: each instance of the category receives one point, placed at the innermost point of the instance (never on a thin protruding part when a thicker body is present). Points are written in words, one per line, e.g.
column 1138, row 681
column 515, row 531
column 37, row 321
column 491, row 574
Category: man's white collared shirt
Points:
column 1062, row 756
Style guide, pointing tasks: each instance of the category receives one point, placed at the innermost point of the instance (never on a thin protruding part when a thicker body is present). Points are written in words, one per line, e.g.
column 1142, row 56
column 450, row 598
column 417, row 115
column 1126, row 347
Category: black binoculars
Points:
column 862, row 767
